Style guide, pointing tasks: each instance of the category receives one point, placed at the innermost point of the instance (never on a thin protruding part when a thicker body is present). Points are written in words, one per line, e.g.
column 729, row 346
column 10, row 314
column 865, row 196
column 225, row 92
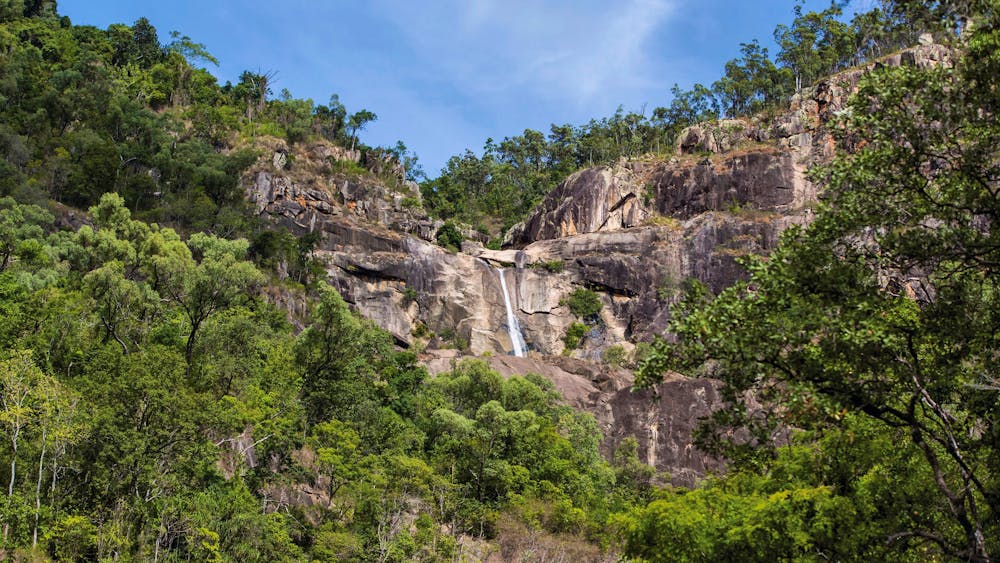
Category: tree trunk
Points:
column 13, row 474
column 38, row 490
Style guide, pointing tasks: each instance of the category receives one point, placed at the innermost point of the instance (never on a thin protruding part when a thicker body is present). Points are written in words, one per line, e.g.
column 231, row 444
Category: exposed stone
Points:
column 333, row 153
column 715, row 136
column 633, row 232
column 763, row 178
column 384, row 164
column 662, row 419
column 279, row 160
column 592, row 200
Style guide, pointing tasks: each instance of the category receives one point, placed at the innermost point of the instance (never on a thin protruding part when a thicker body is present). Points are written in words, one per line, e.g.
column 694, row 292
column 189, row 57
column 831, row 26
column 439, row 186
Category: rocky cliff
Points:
column 662, row 419
column 633, row 232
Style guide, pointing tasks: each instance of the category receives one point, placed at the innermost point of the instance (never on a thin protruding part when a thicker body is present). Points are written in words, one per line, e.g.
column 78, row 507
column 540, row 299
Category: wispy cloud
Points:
column 559, row 50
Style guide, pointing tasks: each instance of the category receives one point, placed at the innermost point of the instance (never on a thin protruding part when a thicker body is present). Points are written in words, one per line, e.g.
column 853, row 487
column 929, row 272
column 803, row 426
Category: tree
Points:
column 687, row 108
column 18, row 379
column 18, row 224
column 216, row 282
column 449, row 236
column 882, row 305
column 357, row 122
column 584, row 303
column 816, row 44
column 330, row 121
column 138, row 45
column 185, row 53
column 253, row 90
column 58, row 428
column 751, row 82
column 340, row 356
column 410, row 162
column 120, row 301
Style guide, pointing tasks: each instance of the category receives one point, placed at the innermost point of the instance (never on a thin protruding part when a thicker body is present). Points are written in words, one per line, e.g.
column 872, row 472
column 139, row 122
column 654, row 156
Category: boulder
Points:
column 592, row 200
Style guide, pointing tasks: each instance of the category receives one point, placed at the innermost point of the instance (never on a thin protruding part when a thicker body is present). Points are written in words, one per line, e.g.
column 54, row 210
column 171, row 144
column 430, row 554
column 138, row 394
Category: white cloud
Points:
column 560, row 51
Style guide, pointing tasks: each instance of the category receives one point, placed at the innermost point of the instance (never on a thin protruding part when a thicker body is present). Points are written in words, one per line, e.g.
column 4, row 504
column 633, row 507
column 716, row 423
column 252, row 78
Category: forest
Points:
column 156, row 405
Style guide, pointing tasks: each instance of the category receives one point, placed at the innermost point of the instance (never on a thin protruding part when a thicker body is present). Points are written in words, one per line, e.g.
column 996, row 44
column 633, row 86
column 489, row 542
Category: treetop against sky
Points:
column 445, row 76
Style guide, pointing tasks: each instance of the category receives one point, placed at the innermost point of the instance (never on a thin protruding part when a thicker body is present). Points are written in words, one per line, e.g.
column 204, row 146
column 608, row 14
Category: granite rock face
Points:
column 634, row 232
column 591, row 200
column 661, row 419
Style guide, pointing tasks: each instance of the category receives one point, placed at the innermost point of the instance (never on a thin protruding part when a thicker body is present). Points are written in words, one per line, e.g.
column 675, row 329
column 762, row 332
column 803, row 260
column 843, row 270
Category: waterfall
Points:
column 513, row 327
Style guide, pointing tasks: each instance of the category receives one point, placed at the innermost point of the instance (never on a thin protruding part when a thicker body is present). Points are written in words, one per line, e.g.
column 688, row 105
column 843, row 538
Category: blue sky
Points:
column 445, row 75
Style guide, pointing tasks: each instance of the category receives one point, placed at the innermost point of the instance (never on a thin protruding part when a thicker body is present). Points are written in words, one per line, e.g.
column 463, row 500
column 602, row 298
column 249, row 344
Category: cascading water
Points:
column 513, row 327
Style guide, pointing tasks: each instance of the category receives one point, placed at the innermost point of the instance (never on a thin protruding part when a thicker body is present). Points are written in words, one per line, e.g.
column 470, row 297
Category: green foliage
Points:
column 449, row 236
column 553, row 266
column 18, row 225
column 584, row 303
column 155, row 407
column 88, row 111
column 510, row 438
column 873, row 316
column 409, row 295
column 832, row 495
column 575, row 333
column 751, row 83
column 278, row 249
column 501, row 185
column 614, row 355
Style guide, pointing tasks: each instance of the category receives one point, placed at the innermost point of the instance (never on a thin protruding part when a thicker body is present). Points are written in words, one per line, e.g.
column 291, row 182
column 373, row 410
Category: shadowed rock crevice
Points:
column 633, row 230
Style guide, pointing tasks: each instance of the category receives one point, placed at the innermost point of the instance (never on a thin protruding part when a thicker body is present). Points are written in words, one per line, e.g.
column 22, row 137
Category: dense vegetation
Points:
column 495, row 189
column 154, row 405
column 872, row 333
column 84, row 111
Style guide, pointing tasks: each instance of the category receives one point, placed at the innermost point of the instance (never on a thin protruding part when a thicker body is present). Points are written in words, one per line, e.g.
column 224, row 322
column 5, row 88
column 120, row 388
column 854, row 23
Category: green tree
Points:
column 19, row 377
column 330, row 121
column 357, row 122
column 350, row 370
column 881, row 306
column 216, row 282
column 816, row 44
column 584, row 303
column 449, row 236
column 18, row 224
column 121, row 302
column 750, row 83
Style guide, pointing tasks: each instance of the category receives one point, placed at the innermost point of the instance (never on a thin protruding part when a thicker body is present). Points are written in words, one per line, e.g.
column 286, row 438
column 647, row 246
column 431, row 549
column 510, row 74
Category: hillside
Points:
column 232, row 331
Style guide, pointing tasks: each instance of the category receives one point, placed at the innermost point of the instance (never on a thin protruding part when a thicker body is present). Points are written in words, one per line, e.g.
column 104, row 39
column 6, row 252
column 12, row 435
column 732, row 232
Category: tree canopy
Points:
column 884, row 309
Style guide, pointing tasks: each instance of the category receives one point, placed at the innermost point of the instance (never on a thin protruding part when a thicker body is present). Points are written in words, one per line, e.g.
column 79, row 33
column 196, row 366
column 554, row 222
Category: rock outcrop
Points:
column 633, row 232
column 662, row 419
column 591, row 200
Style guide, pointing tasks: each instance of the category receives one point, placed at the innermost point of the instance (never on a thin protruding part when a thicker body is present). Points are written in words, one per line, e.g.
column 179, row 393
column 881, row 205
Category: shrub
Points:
column 409, row 295
column 449, row 236
column 553, row 266
column 420, row 330
column 641, row 352
column 614, row 355
column 575, row 334
column 584, row 303
column 671, row 223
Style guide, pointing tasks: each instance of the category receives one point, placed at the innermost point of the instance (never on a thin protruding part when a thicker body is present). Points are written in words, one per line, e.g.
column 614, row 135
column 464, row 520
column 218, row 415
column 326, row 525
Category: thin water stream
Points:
column 513, row 327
